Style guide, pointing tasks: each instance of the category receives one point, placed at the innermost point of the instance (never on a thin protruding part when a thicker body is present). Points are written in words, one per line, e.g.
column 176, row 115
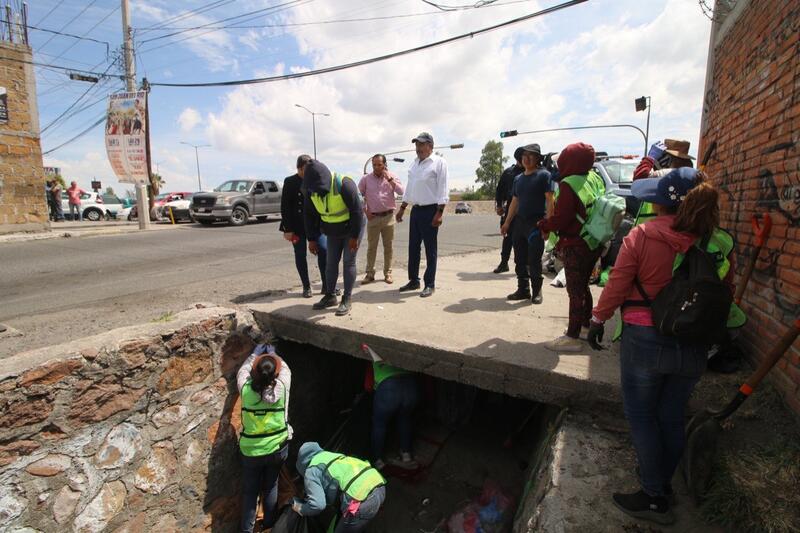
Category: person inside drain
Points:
column 336, row 479
column 264, row 380
column 396, row 396
column 658, row 372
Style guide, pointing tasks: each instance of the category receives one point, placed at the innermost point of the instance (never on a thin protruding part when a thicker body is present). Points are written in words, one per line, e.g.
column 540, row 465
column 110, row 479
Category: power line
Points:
column 75, row 102
column 87, row 32
column 50, row 12
column 78, row 136
column 73, row 19
column 187, row 14
column 60, row 67
column 385, row 57
column 82, row 38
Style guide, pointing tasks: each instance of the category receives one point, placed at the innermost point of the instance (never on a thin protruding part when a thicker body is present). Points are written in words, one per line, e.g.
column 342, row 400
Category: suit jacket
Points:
column 292, row 198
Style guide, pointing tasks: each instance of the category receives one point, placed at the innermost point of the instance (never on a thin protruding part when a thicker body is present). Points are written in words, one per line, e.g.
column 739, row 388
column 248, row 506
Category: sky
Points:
column 583, row 65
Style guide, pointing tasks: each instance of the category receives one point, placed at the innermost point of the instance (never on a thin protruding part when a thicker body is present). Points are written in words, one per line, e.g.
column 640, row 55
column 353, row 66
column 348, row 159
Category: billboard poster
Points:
column 3, row 106
column 126, row 136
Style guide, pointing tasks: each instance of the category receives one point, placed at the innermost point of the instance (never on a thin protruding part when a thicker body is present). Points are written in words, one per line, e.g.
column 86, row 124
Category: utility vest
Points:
column 331, row 207
column 264, row 425
column 588, row 188
column 355, row 477
column 646, row 212
column 382, row 372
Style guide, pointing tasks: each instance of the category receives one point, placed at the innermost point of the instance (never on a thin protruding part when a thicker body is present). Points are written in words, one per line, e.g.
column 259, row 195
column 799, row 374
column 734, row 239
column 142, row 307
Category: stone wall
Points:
column 127, row 431
column 752, row 112
column 23, row 206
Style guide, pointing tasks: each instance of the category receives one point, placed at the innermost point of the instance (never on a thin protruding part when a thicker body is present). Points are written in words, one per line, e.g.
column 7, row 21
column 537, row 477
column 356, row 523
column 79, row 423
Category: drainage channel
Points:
column 477, row 451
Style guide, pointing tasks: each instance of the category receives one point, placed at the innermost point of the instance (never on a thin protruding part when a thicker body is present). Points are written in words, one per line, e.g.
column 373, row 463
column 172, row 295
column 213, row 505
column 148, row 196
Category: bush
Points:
column 474, row 196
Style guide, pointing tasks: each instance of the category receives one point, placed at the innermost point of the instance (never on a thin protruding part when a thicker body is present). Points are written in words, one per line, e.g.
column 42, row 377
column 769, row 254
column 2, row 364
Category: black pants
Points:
column 527, row 252
column 505, row 250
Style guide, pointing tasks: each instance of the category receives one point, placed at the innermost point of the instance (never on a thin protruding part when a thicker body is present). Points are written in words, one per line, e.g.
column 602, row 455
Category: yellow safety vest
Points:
column 588, row 188
column 264, row 426
column 355, row 477
column 382, row 372
column 331, row 207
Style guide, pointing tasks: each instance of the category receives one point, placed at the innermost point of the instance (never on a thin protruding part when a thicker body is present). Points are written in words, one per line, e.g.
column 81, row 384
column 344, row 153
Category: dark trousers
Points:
column 260, row 478
column 527, row 253
column 338, row 247
column 508, row 243
column 579, row 262
column 395, row 397
column 301, row 255
column 658, row 375
column 420, row 231
column 355, row 523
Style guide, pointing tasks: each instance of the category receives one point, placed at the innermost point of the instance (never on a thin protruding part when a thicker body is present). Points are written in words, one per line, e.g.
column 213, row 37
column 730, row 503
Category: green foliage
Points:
column 474, row 196
column 490, row 167
column 60, row 179
column 110, row 190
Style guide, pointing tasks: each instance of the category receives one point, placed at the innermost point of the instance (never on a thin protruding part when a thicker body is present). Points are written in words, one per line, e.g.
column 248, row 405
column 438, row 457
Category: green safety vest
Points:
column 355, row 477
column 588, row 187
column 382, row 372
column 331, row 207
column 645, row 213
column 264, row 426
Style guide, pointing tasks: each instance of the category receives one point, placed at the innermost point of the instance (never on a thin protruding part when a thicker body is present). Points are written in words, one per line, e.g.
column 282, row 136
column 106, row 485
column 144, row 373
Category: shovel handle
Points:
column 762, row 229
column 772, row 357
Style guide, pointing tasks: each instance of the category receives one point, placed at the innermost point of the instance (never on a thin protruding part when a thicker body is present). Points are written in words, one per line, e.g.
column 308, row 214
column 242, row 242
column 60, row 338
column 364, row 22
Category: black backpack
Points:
column 694, row 306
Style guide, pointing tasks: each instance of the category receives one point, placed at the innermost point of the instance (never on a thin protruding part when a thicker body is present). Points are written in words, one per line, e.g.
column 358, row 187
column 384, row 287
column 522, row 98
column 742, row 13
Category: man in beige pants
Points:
column 379, row 189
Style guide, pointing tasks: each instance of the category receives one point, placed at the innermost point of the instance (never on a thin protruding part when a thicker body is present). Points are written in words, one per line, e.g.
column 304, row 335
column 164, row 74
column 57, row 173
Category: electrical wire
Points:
column 78, row 136
column 476, row 5
column 73, row 19
column 82, row 38
column 87, row 32
column 385, row 57
column 61, row 67
column 50, row 12
column 75, row 102
column 187, row 14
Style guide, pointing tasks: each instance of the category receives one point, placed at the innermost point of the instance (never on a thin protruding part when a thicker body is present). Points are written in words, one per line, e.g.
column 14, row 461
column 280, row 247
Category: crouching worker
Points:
column 396, row 396
column 264, row 380
column 336, row 479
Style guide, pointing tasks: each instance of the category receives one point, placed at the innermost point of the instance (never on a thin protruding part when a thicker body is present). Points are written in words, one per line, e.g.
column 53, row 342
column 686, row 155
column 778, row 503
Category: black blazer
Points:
column 292, row 206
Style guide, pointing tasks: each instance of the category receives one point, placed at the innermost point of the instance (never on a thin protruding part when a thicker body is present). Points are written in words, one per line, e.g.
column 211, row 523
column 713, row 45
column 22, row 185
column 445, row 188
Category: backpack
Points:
column 604, row 218
column 693, row 307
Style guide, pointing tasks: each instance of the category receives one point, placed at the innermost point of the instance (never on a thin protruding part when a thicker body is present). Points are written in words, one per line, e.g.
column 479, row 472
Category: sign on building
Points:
column 3, row 106
column 52, row 172
column 126, row 136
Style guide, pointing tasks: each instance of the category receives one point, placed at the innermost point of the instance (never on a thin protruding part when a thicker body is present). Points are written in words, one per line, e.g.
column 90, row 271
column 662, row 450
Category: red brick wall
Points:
column 752, row 111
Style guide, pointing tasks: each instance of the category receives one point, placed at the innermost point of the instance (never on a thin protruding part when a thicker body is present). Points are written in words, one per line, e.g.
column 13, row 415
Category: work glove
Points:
column 595, row 337
column 263, row 348
column 296, row 506
column 657, row 150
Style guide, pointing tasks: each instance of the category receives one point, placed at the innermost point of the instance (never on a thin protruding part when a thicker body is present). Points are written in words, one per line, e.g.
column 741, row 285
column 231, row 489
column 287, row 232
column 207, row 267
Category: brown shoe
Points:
column 369, row 278
column 388, row 279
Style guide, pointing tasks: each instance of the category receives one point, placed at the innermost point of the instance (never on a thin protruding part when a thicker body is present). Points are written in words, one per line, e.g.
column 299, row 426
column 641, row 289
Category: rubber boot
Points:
column 522, row 293
column 536, row 291
column 502, row 267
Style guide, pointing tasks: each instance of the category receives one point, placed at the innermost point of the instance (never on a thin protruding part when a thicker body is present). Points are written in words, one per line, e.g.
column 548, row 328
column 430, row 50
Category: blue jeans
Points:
column 337, row 247
column 300, row 255
column 260, row 477
column 75, row 212
column 420, row 231
column 658, row 375
column 396, row 396
column 366, row 512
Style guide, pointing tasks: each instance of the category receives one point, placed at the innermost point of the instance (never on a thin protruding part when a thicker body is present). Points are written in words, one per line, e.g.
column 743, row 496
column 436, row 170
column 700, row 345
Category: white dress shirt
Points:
column 427, row 182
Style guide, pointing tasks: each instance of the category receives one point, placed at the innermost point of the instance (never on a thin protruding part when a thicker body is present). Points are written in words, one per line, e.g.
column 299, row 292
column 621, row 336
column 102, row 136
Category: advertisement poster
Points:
column 126, row 136
column 3, row 106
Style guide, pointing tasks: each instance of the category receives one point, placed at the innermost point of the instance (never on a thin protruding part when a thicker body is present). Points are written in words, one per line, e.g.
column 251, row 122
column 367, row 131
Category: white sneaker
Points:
column 565, row 344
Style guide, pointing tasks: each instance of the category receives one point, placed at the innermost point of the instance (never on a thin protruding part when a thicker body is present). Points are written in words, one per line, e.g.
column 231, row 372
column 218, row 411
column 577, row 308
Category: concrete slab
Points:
column 466, row 332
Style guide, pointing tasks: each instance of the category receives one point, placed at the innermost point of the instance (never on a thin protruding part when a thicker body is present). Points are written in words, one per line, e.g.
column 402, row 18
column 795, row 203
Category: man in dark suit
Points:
column 502, row 199
column 293, row 226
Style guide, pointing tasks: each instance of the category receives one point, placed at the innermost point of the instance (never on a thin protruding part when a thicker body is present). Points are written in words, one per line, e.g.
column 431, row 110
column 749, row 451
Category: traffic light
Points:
column 509, row 133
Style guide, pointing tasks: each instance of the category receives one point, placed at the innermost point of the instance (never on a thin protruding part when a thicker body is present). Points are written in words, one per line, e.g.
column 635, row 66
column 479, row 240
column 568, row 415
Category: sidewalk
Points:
column 83, row 229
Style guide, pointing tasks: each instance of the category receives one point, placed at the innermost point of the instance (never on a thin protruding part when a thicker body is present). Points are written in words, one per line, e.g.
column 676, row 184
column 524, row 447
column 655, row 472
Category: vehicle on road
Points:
column 617, row 172
column 463, row 207
column 163, row 198
column 236, row 201
column 181, row 209
column 93, row 206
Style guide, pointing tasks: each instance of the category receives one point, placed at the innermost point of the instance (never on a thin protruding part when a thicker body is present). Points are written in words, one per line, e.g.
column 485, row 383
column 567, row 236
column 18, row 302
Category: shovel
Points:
column 703, row 429
column 761, row 232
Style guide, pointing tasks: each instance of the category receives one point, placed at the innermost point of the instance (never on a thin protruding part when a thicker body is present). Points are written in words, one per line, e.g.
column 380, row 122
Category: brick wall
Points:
column 752, row 111
column 23, row 206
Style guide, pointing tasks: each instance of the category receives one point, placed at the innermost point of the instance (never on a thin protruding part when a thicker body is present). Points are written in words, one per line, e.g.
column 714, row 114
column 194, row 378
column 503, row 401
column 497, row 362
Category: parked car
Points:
column 163, row 198
column 463, row 207
column 617, row 172
column 235, row 201
column 181, row 209
column 93, row 206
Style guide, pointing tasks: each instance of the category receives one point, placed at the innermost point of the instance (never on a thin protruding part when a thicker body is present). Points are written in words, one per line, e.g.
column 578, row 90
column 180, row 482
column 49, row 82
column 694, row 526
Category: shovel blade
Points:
column 698, row 461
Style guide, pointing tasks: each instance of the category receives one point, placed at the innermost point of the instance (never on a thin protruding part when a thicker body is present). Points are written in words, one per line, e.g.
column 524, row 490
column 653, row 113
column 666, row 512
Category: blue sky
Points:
column 581, row 66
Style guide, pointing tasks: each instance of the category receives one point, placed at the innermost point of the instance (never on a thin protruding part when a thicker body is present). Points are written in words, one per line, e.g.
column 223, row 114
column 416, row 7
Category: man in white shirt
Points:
column 427, row 191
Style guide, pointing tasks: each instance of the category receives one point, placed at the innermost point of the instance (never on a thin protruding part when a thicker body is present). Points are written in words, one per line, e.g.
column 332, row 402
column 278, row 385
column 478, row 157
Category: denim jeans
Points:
column 396, row 397
column 75, row 212
column 338, row 247
column 301, row 254
column 527, row 252
column 420, row 231
column 658, row 375
column 260, row 478
column 366, row 512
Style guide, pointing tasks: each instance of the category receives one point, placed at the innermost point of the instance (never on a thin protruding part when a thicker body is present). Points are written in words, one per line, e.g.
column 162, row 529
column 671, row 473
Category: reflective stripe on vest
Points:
column 355, row 477
column 645, row 213
column 588, row 188
column 264, row 427
column 382, row 372
column 331, row 207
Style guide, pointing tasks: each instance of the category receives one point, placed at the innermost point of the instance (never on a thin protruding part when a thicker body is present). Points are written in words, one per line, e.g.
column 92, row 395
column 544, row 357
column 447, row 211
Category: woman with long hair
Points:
column 264, row 380
column 658, row 373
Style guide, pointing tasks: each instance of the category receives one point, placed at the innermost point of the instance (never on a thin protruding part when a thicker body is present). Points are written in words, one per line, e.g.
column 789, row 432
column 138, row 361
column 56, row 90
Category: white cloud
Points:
column 188, row 119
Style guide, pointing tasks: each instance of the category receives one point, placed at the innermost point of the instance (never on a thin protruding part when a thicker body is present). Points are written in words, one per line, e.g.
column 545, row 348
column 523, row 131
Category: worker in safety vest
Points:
column 396, row 397
column 336, row 479
column 264, row 380
column 333, row 208
column 660, row 159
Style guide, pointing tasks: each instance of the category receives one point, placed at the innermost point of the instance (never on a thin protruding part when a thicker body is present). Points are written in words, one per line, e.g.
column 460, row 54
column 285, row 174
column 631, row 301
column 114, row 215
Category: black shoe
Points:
column 308, row 293
column 502, row 267
column 410, row 286
column 344, row 307
column 338, row 292
column 537, row 299
column 329, row 300
column 427, row 291
column 520, row 294
column 641, row 505
column 536, row 291
column 669, row 494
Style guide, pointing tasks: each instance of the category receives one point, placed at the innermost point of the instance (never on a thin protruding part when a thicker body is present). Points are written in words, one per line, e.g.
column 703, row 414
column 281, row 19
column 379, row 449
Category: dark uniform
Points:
column 502, row 199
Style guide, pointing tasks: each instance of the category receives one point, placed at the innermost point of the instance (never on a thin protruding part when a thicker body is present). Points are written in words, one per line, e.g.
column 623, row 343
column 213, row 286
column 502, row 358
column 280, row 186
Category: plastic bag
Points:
column 491, row 512
column 291, row 522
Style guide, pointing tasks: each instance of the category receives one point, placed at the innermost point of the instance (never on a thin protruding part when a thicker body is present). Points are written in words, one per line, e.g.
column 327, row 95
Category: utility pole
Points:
column 142, row 203
column 197, row 161
column 313, row 124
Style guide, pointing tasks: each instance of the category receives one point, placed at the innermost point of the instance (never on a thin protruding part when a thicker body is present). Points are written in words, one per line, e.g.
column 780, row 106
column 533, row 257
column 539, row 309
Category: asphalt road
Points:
column 61, row 289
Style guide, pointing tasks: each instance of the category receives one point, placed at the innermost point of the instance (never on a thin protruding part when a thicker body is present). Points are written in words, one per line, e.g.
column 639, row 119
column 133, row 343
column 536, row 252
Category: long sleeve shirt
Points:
column 350, row 228
column 505, row 185
column 379, row 193
column 292, row 206
column 564, row 220
column 275, row 391
column 427, row 182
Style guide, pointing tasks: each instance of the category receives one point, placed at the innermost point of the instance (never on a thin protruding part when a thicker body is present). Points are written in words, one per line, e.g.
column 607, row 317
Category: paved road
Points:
column 61, row 289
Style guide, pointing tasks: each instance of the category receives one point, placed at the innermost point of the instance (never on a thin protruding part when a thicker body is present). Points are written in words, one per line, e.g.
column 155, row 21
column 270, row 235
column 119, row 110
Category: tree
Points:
column 110, row 191
column 490, row 167
column 156, row 182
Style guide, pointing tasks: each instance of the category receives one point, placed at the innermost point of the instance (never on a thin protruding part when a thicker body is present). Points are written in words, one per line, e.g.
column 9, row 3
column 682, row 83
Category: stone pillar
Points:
column 23, row 206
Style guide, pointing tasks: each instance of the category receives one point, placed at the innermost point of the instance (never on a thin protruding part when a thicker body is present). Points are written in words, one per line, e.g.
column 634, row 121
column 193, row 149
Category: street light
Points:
column 197, row 160
column 642, row 103
column 514, row 133
column 313, row 124
column 400, row 160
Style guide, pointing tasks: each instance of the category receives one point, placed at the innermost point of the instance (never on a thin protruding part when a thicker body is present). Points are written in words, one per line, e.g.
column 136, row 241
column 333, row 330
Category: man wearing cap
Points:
column 502, row 199
column 427, row 192
column 379, row 188
column 293, row 226
column 532, row 201
column 333, row 208
column 661, row 158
